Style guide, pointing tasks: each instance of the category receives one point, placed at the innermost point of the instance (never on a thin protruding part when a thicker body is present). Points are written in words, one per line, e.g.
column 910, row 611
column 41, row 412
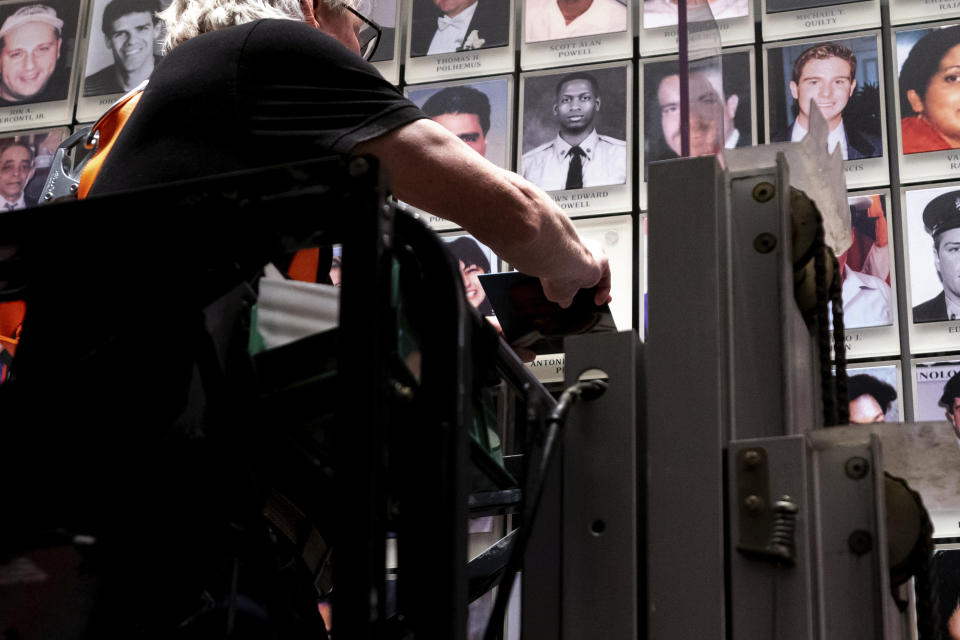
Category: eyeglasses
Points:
column 369, row 36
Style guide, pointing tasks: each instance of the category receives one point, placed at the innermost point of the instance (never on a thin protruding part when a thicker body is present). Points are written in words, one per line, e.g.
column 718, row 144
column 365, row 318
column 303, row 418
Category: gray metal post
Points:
column 687, row 407
column 601, row 490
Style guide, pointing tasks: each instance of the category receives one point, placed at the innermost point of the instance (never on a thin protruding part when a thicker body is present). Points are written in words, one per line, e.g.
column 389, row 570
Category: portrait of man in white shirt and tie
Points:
column 577, row 156
column 16, row 169
column 448, row 26
column 557, row 19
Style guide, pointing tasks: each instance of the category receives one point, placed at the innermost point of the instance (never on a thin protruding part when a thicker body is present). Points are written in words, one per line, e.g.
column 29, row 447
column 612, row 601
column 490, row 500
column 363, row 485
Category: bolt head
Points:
column 753, row 503
column 358, row 167
column 856, row 468
column 860, row 542
column 765, row 243
column 763, row 192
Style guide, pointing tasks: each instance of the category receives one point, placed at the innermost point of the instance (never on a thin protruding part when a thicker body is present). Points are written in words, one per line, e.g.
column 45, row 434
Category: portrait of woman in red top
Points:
column 930, row 92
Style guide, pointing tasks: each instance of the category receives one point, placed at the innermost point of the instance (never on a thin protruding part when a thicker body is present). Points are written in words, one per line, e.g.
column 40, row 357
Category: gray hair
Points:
column 186, row 19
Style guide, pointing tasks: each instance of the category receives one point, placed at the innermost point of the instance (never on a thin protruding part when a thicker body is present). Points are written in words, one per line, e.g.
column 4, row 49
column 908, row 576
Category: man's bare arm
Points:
column 433, row 170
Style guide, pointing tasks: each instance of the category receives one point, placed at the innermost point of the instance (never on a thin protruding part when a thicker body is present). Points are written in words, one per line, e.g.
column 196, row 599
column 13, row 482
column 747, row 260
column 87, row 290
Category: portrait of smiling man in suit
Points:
column 825, row 74
column 448, row 26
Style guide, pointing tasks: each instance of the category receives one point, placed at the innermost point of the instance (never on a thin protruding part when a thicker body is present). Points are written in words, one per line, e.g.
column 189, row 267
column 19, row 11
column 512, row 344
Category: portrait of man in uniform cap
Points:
column 941, row 219
column 577, row 156
column 31, row 69
column 950, row 401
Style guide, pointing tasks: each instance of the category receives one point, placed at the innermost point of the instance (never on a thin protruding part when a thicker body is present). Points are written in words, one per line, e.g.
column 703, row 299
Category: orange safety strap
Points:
column 109, row 127
column 11, row 319
column 304, row 265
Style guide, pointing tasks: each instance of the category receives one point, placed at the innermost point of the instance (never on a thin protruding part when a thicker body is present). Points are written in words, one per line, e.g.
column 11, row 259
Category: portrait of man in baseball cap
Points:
column 32, row 68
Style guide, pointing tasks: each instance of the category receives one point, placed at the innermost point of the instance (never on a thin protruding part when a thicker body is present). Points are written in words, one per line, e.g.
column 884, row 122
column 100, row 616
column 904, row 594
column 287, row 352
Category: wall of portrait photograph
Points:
column 603, row 77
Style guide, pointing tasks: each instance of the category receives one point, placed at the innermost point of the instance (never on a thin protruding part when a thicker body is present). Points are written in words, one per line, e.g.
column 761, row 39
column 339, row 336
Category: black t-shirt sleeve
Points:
column 300, row 86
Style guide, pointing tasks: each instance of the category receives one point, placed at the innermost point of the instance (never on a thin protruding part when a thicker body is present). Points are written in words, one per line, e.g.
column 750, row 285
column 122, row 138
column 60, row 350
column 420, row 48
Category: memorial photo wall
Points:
column 840, row 56
column 549, row 79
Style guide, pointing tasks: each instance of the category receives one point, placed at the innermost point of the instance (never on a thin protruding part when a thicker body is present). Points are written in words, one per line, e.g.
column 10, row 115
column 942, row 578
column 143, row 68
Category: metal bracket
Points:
column 766, row 529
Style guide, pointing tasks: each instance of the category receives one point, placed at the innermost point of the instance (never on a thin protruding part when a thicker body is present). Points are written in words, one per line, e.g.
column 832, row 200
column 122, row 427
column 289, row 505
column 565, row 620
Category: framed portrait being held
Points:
column 615, row 235
column 37, row 62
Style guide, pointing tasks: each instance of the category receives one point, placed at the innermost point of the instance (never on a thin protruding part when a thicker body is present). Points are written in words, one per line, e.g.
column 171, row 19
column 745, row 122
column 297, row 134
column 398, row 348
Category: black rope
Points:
column 839, row 345
column 823, row 332
column 925, row 583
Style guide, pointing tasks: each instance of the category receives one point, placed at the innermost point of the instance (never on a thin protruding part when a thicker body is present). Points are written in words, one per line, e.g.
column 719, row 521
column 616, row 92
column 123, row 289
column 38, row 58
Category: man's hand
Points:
column 596, row 272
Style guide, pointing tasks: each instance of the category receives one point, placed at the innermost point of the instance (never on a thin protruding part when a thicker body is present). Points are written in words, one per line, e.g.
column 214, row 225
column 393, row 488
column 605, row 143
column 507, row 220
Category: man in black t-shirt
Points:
column 234, row 92
column 240, row 96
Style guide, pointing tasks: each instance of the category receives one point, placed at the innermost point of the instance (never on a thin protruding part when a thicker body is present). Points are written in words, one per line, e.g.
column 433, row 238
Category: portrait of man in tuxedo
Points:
column 448, row 26
column 941, row 219
column 826, row 74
